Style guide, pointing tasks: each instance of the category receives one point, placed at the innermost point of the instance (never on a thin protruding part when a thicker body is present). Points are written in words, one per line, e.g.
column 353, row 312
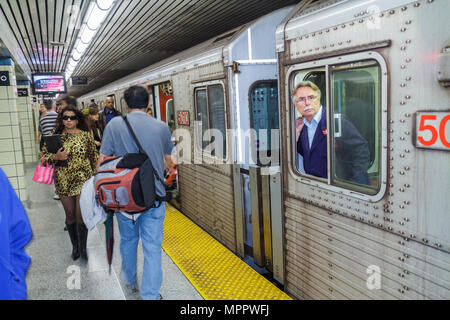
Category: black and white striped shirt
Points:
column 48, row 123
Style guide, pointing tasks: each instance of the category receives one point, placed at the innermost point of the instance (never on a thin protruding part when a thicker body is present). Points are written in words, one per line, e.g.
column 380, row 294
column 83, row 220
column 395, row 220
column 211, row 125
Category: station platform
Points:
column 195, row 266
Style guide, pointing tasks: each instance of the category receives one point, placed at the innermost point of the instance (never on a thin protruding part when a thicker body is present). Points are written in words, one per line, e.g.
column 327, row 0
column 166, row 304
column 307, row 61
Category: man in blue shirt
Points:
column 108, row 113
column 351, row 149
column 15, row 233
column 156, row 140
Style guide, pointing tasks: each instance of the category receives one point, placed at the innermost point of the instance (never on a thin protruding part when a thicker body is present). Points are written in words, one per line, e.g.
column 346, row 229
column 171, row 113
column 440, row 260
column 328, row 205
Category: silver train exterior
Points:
column 230, row 64
column 330, row 238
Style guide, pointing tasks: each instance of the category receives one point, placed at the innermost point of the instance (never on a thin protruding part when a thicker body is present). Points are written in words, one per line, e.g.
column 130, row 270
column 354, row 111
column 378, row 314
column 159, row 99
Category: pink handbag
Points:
column 44, row 174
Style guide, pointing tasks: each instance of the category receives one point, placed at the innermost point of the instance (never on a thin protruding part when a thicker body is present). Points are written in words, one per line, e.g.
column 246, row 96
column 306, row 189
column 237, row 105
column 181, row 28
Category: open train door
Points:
column 162, row 102
column 162, row 107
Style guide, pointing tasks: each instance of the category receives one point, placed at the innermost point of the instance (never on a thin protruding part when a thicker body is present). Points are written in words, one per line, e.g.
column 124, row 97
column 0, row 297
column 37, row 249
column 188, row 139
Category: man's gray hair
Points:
column 310, row 84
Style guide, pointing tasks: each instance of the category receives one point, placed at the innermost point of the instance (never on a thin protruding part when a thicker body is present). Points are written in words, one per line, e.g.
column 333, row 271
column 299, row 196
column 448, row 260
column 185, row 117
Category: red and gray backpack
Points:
column 127, row 183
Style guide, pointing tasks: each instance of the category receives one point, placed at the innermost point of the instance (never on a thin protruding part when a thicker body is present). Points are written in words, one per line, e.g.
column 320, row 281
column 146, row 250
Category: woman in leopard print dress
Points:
column 75, row 163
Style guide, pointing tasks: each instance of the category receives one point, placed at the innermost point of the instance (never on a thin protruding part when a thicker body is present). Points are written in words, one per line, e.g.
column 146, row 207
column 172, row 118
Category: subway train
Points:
column 383, row 66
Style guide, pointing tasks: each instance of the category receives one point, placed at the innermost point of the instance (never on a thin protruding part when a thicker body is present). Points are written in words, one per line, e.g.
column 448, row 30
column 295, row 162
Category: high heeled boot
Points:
column 82, row 240
column 72, row 229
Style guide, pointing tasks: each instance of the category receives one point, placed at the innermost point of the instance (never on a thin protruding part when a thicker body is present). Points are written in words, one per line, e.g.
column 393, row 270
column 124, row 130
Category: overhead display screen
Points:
column 49, row 83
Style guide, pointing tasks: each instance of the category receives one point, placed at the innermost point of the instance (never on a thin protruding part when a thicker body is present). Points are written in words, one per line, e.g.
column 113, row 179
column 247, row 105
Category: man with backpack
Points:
column 155, row 139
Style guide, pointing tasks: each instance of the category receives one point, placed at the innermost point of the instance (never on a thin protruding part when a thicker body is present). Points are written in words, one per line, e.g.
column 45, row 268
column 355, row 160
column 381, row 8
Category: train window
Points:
column 170, row 112
column 123, row 106
column 210, row 111
column 339, row 144
column 264, row 116
column 355, row 107
column 202, row 112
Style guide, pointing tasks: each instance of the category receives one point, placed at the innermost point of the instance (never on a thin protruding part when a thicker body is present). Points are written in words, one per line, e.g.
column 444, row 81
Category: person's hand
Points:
column 98, row 144
column 60, row 155
column 299, row 124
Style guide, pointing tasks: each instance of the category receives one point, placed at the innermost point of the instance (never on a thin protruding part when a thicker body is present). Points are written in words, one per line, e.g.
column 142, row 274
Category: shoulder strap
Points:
column 141, row 150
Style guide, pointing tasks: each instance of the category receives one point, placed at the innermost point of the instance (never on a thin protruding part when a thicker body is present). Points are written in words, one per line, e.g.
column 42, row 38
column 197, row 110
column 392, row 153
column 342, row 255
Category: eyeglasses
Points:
column 303, row 99
column 73, row 118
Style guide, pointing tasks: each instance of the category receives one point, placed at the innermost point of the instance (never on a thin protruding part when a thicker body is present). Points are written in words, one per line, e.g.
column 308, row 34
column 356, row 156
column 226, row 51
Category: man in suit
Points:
column 350, row 148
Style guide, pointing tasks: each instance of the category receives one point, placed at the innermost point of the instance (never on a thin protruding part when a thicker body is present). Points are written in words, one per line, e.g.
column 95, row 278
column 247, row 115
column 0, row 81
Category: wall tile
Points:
column 7, row 158
column 6, row 145
column 5, row 132
column 10, row 170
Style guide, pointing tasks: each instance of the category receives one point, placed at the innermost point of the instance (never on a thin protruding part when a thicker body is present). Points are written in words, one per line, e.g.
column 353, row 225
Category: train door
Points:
column 257, row 179
column 162, row 101
column 162, row 107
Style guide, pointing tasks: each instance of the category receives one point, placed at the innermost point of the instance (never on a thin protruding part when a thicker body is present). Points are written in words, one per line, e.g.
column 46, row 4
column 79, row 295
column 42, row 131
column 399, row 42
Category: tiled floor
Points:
column 53, row 275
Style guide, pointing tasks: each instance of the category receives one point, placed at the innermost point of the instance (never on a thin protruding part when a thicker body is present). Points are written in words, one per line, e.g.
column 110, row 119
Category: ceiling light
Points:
column 96, row 18
column 80, row 46
column 76, row 55
column 105, row 4
column 72, row 62
column 87, row 34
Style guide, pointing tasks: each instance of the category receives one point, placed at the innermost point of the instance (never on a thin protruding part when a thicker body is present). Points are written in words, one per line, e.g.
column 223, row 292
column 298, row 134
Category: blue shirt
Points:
column 15, row 233
column 109, row 115
column 313, row 125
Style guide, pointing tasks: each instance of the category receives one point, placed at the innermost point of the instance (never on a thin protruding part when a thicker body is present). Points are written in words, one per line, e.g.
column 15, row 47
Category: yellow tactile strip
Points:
column 214, row 271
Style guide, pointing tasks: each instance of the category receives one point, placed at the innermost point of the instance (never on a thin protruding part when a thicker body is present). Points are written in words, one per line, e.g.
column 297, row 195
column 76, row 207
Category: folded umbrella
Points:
column 109, row 235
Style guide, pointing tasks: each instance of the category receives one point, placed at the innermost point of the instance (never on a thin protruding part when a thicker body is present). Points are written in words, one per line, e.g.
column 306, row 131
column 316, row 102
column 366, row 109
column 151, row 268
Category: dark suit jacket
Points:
column 102, row 118
column 315, row 159
column 351, row 152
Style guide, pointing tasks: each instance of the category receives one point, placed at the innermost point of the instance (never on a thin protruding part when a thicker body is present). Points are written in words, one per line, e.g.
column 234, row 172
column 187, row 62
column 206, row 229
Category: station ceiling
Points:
column 41, row 34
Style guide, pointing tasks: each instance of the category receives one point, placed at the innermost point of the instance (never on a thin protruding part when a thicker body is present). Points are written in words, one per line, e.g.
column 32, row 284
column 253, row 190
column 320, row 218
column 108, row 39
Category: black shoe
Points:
column 82, row 239
column 72, row 229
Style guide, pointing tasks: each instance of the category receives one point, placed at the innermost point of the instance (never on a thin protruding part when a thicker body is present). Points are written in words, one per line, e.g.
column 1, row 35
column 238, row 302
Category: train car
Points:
column 322, row 238
column 384, row 66
column 225, row 83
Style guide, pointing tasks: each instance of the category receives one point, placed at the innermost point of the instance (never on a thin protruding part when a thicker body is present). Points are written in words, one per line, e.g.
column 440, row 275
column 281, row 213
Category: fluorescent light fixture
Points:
column 76, row 55
column 72, row 63
column 105, row 4
column 87, row 34
column 80, row 46
column 94, row 17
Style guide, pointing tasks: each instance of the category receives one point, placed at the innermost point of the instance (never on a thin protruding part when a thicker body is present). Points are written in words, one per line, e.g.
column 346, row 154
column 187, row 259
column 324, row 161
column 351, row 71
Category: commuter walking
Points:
column 108, row 113
column 65, row 100
column 94, row 127
column 155, row 138
column 15, row 233
column 48, row 121
column 80, row 155
column 47, row 125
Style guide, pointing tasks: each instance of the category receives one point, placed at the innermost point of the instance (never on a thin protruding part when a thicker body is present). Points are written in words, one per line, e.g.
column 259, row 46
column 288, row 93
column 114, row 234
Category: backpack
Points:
column 127, row 183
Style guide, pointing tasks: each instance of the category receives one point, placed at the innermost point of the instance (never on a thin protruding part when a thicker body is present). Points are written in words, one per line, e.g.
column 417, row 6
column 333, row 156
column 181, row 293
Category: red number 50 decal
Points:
column 433, row 130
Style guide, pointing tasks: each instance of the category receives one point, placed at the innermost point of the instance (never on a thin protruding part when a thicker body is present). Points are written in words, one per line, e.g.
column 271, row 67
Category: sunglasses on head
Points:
column 73, row 118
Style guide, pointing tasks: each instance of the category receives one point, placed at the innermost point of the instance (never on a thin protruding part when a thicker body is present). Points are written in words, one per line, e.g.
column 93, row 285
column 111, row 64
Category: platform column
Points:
column 11, row 154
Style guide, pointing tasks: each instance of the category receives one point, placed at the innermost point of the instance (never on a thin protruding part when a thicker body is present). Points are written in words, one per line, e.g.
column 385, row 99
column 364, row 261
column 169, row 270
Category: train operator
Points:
column 351, row 149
